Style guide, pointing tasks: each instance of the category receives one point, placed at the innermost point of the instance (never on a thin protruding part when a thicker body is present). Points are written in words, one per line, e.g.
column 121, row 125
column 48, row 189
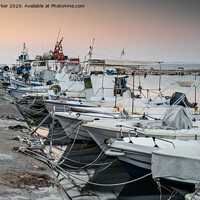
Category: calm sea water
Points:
column 145, row 189
column 151, row 82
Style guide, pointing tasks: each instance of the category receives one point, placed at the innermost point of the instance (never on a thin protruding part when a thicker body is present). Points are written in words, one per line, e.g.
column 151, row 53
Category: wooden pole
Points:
column 195, row 94
column 133, row 74
column 160, row 78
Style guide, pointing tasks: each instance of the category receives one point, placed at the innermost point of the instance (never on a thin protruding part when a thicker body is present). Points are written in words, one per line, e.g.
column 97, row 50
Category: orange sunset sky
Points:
column 161, row 30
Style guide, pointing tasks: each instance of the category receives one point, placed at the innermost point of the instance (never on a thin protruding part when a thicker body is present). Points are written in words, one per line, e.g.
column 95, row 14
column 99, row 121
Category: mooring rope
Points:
column 63, row 172
column 71, row 145
column 87, row 165
column 67, row 127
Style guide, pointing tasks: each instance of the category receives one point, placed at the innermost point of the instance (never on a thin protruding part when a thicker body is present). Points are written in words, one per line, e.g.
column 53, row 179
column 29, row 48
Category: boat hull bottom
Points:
column 181, row 187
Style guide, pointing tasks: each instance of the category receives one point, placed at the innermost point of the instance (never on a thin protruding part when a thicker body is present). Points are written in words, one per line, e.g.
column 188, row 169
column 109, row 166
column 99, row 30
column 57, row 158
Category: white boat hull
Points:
column 70, row 127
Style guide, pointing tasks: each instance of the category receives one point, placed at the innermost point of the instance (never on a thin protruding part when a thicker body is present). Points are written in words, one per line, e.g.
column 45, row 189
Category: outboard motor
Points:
column 180, row 99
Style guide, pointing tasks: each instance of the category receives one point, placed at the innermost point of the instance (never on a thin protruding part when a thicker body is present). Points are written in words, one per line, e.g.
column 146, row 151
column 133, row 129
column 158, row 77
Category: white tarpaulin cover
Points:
column 182, row 163
column 177, row 118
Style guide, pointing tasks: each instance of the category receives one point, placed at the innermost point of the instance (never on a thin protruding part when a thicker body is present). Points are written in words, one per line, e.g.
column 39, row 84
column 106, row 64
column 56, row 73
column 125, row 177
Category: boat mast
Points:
column 23, row 53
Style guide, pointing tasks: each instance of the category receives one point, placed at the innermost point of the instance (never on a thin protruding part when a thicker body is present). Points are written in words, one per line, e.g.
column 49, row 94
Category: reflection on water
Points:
column 145, row 189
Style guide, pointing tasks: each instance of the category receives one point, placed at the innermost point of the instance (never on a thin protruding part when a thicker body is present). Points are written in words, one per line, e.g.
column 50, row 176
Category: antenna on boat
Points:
column 23, row 53
column 58, row 36
column 90, row 54
column 91, row 49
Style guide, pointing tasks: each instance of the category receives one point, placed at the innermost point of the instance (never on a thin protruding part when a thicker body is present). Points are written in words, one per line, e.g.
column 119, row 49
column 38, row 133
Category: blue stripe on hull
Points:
column 26, row 85
column 141, row 161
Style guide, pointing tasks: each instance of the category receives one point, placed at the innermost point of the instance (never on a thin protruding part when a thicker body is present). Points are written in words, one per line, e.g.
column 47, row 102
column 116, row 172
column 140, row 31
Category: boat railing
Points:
column 68, row 108
column 136, row 132
column 131, row 129
column 149, row 91
column 136, row 135
column 121, row 90
column 163, row 140
column 102, row 89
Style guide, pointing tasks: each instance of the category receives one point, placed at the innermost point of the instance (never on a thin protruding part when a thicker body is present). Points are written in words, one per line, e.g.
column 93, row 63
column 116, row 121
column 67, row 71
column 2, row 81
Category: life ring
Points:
column 14, row 68
column 56, row 89
column 42, row 73
column 6, row 68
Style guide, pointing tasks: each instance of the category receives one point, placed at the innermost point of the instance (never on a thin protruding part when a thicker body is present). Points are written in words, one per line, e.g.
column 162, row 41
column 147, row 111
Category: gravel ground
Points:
column 21, row 176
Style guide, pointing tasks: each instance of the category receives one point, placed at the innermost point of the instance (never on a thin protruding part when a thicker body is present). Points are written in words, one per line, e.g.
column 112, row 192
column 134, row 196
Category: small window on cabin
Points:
column 88, row 83
column 41, row 64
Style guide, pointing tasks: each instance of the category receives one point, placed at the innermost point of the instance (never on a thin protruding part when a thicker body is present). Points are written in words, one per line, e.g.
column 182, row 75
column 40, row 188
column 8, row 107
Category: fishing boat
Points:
column 105, row 81
column 72, row 123
column 32, row 108
column 85, row 114
column 61, row 83
column 5, row 75
column 105, row 121
column 168, row 125
column 168, row 159
column 37, row 72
